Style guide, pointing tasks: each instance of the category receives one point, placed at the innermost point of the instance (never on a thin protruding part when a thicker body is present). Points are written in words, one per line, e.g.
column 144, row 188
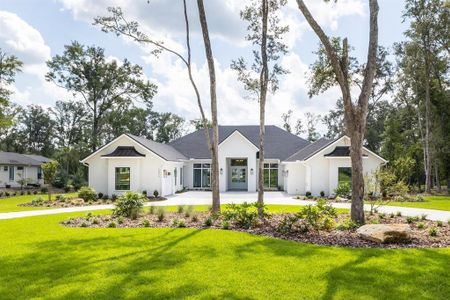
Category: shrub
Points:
column 391, row 215
column 381, row 215
column 308, row 194
column 421, row 226
column 84, row 224
column 433, row 231
column 318, row 217
column 181, row 223
column 244, row 215
column 113, row 197
column 189, row 210
column 95, row 221
column 100, row 195
column 194, row 218
column 112, row 225
column 347, row 224
column 175, row 222
column 1, row 193
column 208, row 222
column 155, row 193
column 28, row 193
column 180, row 209
column 399, row 214
column 161, row 213
column 87, row 193
column 146, row 223
column 120, row 220
column 67, row 188
column 37, row 201
column 105, row 197
column 144, row 192
column 22, row 193
column 423, row 217
column 61, row 198
column 344, row 190
column 225, row 225
column 35, row 192
column 439, row 223
column 44, row 190
column 7, row 195
column 129, row 205
column 322, row 194
column 152, row 209
column 409, row 219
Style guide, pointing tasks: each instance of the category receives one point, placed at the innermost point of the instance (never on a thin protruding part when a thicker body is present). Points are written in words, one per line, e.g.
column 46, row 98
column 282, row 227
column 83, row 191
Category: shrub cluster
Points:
column 344, row 190
column 87, row 194
column 129, row 205
column 311, row 217
column 243, row 215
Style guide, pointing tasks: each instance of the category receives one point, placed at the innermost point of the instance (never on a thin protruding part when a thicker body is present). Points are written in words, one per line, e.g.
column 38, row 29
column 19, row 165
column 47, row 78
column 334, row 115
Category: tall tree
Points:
column 287, row 125
column 311, row 123
column 355, row 112
column 212, row 93
column 118, row 24
column 167, row 127
column 261, row 76
column 103, row 85
column 70, row 120
column 9, row 67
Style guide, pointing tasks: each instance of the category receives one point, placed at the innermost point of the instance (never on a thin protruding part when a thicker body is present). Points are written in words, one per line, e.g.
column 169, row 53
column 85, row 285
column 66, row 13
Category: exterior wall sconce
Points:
column 221, row 171
column 286, row 173
column 251, row 171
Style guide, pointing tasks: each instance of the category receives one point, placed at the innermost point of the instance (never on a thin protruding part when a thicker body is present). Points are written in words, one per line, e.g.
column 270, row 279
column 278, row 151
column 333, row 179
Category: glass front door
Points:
column 238, row 174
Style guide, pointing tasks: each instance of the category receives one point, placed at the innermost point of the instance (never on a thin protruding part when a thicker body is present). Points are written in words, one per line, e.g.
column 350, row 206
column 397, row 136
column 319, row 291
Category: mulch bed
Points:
column 420, row 238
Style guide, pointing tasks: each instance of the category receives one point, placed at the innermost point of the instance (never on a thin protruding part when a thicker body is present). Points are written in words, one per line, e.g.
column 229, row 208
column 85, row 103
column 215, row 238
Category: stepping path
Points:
column 204, row 198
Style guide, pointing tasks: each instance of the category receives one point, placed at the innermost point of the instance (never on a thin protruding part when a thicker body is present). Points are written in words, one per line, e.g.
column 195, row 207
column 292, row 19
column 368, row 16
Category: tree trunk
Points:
column 357, row 207
column 436, row 176
column 215, row 131
column 263, row 81
column 427, row 166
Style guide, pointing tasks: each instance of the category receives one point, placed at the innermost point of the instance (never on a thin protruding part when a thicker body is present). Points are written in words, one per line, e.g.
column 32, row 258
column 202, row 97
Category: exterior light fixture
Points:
column 251, row 171
column 221, row 171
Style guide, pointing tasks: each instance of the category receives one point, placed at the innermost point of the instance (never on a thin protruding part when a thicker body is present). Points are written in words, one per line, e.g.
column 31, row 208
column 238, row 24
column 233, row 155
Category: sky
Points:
column 36, row 30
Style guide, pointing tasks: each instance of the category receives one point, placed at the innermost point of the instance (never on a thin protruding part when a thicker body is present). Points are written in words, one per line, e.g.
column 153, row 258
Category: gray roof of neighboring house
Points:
column 310, row 150
column 12, row 158
column 279, row 144
column 165, row 151
column 124, row 151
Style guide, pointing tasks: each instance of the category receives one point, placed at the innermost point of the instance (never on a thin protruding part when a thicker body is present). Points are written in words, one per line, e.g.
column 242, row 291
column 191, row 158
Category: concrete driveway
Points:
column 204, row 198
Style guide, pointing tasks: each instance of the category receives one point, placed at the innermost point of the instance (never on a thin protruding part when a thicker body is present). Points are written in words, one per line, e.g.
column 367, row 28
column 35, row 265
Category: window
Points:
column 123, row 179
column 344, row 175
column 39, row 173
column 11, row 173
column 175, row 175
column 271, row 176
column 5, row 168
column 19, row 168
column 202, row 175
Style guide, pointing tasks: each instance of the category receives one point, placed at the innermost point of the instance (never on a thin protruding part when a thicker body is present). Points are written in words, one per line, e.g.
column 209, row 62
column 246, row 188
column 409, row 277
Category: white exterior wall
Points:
column 28, row 172
column 294, row 181
column 237, row 146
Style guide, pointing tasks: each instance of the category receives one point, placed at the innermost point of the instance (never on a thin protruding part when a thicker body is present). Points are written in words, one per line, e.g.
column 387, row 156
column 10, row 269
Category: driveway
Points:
column 204, row 198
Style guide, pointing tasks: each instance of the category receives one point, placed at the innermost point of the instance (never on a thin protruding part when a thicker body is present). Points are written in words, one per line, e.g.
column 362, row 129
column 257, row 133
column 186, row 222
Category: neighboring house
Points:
column 14, row 167
column 291, row 164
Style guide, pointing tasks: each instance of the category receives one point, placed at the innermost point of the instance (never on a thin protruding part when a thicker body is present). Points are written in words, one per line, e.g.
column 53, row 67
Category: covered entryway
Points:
column 238, row 179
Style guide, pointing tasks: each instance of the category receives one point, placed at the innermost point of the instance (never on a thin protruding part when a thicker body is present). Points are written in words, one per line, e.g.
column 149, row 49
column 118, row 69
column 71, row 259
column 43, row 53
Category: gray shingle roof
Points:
column 165, row 151
column 340, row 151
column 310, row 150
column 279, row 144
column 12, row 158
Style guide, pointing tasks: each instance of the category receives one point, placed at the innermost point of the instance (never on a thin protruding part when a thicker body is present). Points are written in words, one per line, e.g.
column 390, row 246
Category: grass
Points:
column 42, row 259
column 11, row 204
column 432, row 202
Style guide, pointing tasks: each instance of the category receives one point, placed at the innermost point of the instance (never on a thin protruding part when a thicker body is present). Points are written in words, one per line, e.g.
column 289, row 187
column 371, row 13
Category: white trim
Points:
column 237, row 131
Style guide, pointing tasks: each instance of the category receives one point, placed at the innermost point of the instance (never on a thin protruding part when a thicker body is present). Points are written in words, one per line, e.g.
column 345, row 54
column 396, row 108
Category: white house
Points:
column 15, row 166
column 291, row 163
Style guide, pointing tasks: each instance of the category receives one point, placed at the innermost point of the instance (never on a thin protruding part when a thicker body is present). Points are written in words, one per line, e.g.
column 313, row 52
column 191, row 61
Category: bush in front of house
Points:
column 87, row 194
column 155, row 193
column 308, row 195
column 344, row 190
column 243, row 215
column 129, row 205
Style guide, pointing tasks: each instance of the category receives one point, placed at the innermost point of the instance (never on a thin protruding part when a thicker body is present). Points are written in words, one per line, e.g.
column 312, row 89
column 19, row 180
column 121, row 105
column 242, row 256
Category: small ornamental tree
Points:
column 49, row 169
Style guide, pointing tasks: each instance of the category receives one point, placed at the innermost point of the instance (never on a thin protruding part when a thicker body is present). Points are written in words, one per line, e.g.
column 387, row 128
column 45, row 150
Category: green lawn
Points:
column 433, row 202
column 39, row 258
column 11, row 204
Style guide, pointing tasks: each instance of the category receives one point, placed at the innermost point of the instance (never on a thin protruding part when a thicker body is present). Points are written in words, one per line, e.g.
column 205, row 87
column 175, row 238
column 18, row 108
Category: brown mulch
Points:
column 73, row 202
column 420, row 238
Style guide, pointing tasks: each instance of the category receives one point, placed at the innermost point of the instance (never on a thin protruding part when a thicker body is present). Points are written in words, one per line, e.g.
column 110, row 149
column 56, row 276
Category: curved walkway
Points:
column 204, row 198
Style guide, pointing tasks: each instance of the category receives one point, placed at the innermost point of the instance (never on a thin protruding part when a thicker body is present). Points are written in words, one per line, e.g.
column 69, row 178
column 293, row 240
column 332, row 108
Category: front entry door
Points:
column 238, row 174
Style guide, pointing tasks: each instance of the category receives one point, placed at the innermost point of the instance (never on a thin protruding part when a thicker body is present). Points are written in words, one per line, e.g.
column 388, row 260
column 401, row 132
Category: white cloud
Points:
column 19, row 38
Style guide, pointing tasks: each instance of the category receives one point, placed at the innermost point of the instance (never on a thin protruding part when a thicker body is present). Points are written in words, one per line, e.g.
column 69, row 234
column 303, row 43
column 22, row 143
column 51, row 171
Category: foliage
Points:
column 49, row 170
column 129, row 205
column 344, row 189
column 347, row 224
column 311, row 217
column 10, row 65
column 155, row 193
column 244, row 215
column 87, row 193
column 161, row 213
column 433, row 231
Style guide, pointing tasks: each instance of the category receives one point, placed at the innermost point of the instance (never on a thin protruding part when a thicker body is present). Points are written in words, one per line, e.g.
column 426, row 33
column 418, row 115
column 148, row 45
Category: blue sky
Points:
column 38, row 29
